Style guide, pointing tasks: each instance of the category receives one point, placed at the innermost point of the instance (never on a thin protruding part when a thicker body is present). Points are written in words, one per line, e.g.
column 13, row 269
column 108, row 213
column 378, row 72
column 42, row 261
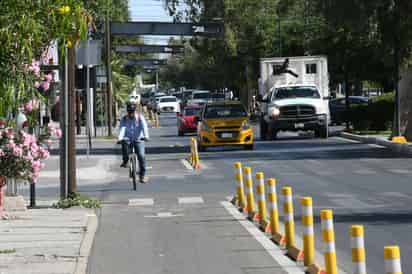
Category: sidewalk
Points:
column 45, row 241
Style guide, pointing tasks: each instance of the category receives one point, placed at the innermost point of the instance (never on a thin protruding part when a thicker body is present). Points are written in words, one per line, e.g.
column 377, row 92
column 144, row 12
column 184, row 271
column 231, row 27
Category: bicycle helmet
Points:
column 131, row 107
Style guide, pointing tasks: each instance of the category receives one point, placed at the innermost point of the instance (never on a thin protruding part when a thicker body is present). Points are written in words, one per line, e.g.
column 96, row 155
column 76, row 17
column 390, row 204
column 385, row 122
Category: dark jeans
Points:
column 139, row 150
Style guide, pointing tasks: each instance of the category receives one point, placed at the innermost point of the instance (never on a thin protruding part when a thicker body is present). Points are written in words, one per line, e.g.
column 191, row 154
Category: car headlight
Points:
column 245, row 125
column 206, row 127
column 275, row 112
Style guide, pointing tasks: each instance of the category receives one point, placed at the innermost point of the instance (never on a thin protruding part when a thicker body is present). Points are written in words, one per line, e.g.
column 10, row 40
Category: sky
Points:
column 150, row 10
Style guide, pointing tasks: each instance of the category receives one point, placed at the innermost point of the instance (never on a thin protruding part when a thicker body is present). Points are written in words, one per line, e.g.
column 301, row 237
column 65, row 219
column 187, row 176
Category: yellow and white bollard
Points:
column 250, row 206
column 260, row 191
column 328, row 238
column 289, row 222
column 196, row 162
column 392, row 257
column 274, row 213
column 308, row 231
column 240, row 191
column 358, row 249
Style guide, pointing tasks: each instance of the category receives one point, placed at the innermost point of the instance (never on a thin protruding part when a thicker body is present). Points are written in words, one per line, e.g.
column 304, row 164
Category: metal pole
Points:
column 88, row 99
column 71, row 146
column 397, row 64
column 109, row 78
column 157, row 80
column 64, row 108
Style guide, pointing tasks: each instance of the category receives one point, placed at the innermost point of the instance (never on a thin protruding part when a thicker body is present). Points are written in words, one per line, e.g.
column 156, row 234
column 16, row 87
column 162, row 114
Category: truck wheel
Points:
column 263, row 129
column 322, row 132
column 180, row 133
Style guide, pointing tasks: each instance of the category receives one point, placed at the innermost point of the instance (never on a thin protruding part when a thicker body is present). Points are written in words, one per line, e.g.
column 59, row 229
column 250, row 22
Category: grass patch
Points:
column 8, row 251
column 77, row 199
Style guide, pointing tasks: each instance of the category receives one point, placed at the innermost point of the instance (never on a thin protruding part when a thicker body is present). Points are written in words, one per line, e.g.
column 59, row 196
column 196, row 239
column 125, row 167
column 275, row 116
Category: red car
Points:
column 186, row 122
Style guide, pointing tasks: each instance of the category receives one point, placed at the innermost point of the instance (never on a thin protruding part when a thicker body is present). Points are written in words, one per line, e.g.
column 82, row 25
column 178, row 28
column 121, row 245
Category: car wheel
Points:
column 263, row 129
column 249, row 147
column 201, row 148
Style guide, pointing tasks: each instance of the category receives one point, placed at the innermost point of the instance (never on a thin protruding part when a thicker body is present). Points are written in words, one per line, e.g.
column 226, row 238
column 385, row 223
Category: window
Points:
column 167, row 100
column 193, row 111
column 225, row 111
column 311, row 69
column 296, row 92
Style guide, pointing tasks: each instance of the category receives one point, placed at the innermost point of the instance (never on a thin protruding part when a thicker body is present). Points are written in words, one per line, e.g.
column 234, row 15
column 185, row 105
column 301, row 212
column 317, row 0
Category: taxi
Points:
column 224, row 124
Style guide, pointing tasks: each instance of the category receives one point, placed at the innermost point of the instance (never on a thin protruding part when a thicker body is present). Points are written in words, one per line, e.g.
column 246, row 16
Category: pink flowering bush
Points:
column 22, row 154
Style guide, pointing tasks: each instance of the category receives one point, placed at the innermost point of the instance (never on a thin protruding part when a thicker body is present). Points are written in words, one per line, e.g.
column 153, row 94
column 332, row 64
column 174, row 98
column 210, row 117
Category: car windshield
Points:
column 168, row 99
column 225, row 111
column 192, row 111
column 203, row 95
column 217, row 97
column 296, row 92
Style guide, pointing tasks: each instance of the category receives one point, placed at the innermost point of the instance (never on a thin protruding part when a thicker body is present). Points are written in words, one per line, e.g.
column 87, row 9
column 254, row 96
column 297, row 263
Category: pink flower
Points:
column 36, row 84
column 1, row 153
column 28, row 107
column 45, row 86
column 58, row 133
column 48, row 77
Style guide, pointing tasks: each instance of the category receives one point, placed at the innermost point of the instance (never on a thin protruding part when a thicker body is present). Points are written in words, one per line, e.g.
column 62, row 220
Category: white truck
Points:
column 294, row 94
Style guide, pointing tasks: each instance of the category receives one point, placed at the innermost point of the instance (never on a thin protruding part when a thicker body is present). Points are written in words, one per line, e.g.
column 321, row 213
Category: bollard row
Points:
column 268, row 221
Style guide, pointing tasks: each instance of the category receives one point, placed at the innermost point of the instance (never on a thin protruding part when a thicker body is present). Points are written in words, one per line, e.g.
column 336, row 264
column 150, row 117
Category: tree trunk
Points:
column 406, row 102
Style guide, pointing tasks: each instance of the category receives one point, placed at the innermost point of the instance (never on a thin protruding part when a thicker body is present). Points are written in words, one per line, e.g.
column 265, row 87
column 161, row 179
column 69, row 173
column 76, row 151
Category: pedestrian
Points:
column 134, row 132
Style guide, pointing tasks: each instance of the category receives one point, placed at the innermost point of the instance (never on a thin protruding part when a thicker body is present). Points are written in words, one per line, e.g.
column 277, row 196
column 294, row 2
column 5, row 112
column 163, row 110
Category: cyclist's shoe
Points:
column 144, row 179
column 124, row 164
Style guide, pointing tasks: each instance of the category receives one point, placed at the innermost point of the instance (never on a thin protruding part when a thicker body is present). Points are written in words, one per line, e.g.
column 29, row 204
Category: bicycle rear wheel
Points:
column 133, row 172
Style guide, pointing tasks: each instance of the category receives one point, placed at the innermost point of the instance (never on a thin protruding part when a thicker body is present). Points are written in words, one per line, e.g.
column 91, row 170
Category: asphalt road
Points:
column 177, row 223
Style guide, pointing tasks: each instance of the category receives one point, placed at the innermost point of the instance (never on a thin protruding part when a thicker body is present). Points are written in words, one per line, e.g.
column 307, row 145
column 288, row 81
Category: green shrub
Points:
column 377, row 115
column 77, row 199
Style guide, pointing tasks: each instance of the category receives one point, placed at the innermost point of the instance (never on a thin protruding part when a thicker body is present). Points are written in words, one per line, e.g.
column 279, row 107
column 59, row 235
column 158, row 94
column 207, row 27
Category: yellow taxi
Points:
column 224, row 124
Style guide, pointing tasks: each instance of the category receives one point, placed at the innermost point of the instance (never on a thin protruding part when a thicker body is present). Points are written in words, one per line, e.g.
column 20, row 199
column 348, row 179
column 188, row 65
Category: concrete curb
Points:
column 396, row 147
column 86, row 245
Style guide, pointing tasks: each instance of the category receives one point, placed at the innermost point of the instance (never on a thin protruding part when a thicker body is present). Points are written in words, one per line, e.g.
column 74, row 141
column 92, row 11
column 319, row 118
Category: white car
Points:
column 199, row 97
column 168, row 104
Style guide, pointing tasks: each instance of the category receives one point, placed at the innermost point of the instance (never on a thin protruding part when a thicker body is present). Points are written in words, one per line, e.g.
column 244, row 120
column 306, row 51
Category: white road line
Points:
column 399, row 171
column 347, row 140
column 376, row 146
column 277, row 254
column 186, row 164
column 164, row 215
column 141, row 202
column 190, row 200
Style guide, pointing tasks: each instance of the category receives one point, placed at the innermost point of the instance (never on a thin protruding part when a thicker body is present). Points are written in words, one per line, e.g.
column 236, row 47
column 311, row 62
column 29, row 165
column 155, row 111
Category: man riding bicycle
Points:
column 133, row 133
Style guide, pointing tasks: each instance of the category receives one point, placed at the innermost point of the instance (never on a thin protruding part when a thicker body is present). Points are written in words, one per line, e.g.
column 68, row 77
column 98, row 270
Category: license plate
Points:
column 227, row 135
column 299, row 125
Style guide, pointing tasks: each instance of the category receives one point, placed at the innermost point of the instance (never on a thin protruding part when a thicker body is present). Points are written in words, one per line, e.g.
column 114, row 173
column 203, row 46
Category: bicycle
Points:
column 133, row 165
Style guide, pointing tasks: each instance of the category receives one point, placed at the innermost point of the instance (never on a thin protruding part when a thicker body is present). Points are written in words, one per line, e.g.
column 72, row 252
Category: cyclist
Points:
column 134, row 132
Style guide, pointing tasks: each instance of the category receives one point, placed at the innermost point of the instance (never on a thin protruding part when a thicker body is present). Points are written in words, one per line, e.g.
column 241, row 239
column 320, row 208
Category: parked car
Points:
column 155, row 100
column 168, row 104
column 224, row 124
column 338, row 110
column 186, row 120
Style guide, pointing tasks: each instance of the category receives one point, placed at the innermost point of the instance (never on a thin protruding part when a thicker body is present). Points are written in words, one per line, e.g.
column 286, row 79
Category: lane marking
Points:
column 186, row 164
column 376, row 146
column 277, row 254
column 399, row 171
column 365, row 172
column 190, row 200
column 347, row 140
column 141, row 202
column 164, row 215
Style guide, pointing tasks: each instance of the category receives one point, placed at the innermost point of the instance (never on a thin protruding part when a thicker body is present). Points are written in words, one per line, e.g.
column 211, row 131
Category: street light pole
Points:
column 396, row 15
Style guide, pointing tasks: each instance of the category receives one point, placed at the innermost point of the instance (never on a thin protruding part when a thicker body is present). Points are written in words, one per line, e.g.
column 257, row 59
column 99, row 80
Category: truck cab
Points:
column 294, row 94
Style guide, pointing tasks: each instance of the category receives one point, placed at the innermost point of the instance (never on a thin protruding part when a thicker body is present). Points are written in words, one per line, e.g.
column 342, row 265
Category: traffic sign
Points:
column 150, row 49
column 166, row 28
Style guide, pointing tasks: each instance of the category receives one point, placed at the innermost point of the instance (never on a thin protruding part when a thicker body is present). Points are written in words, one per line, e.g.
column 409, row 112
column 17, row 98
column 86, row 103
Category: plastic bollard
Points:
column 392, row 257
column 260, row 191
column 328, row 238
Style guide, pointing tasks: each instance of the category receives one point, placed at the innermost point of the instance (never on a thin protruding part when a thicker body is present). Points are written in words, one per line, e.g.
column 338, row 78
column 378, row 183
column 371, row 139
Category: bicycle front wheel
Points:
column 133, row 172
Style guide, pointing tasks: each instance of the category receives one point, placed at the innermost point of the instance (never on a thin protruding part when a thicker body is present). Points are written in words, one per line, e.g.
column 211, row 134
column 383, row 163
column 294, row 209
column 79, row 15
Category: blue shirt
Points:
column 133, row 129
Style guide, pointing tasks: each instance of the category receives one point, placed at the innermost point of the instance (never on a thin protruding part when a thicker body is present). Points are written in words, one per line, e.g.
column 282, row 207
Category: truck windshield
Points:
column 203, row 95
column 296, row 92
